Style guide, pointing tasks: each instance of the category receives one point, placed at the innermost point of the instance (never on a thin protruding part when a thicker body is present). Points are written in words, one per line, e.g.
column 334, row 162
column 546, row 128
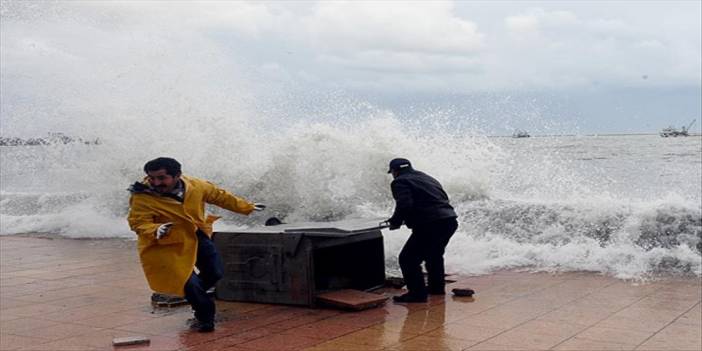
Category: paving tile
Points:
column 79, row 313
column 216, row 347
column 424, row 343
column 256, row 319
column 48, row 294
column 488, row 346
column 482, row 303
column 236, row 348
column 281, row 342
column 239, row 307
column 36, row 309
column 8, row 303
column 29, row 272
column 645, row 324
column 520, row 307
column 647, row 313
column 393, row 310
column 436, row 300
column 234, row 339
column 615, row 335
column 24, row 325
column 374, row 337
column 16, row 280
column 61, row 345
column 296, row 322
column 662, row 303
column 524, row 338
column 559, row 328
column 12, row 292
column 410, row 325
column 16, row 342
column 79, row 301
column 127, row 283
column 682, row 289
column 340, row 346
column 620, row 289
column 578, row 315
column 157, row 326
column 101, row 339
column 189, row 337
column 670, row 345
column 576, row 344
column 445, row 313
column 677, row 336
column 464, row 332
column 604, row 302
column 5, row 317
column 113, row 320
column 57, row 331
column 323, row 329
column 364, row 318
column 495, row 320
column 692, row 317
column 546, row 301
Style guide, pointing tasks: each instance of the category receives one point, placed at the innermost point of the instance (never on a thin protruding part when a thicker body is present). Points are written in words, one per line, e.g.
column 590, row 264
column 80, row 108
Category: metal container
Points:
column 291, row 263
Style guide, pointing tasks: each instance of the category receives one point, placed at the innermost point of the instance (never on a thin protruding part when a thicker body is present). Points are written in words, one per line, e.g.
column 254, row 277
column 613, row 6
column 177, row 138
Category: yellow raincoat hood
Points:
column 169, row 261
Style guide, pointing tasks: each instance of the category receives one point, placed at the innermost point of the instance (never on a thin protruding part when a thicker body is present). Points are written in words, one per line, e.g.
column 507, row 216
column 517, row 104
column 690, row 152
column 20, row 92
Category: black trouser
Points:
column 211, row 270
column 426, row 244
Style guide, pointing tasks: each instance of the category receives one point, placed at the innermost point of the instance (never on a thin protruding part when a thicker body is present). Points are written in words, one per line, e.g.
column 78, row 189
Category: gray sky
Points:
column 554, row 66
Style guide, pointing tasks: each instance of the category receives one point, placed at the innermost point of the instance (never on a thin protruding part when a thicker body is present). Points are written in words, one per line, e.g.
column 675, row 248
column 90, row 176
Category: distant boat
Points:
column 673, row 132
column 519, row 133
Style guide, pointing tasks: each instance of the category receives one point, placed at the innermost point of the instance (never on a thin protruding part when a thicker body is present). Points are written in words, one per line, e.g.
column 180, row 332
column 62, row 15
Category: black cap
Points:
column 399, row 164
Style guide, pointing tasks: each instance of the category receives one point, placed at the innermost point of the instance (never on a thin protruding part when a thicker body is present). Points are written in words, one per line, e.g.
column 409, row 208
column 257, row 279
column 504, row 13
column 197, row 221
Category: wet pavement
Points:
column 61, row 294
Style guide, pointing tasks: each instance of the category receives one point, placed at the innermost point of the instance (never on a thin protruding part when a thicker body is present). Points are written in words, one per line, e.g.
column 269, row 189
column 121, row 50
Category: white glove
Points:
column 259, row 207
column 163, row 230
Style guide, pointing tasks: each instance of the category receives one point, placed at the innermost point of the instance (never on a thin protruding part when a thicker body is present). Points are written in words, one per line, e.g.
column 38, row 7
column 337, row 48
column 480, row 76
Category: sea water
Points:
column 629, row 206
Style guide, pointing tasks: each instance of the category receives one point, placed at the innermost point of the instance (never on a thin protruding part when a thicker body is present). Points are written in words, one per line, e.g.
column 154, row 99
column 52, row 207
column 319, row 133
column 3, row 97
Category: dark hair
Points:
column 171, row 166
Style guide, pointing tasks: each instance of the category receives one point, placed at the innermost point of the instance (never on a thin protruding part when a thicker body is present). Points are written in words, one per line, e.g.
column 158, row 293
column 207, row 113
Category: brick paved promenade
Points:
column 65, row 294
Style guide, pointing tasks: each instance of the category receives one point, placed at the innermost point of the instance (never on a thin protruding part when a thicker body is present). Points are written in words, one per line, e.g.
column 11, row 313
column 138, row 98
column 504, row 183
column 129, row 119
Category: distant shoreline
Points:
column 61, row 139
column 588, row 135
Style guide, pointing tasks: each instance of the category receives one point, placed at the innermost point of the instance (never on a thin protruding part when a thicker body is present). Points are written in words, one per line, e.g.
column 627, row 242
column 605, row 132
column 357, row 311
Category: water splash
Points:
column 625, row 206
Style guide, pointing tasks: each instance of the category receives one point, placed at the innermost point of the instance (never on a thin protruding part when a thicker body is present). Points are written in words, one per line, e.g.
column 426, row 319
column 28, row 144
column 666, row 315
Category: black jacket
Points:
column 419, row 199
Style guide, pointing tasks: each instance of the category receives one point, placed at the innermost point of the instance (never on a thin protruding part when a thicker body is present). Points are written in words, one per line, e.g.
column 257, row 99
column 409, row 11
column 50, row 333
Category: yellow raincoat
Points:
column 169, row 261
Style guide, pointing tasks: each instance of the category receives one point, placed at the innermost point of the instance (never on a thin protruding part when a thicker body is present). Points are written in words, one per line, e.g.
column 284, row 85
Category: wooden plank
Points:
column 130, row 340
column 351, row 299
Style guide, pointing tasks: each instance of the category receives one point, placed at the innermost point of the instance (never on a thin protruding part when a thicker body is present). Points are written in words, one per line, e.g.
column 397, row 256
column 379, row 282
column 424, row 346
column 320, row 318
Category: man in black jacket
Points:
column 423, row 206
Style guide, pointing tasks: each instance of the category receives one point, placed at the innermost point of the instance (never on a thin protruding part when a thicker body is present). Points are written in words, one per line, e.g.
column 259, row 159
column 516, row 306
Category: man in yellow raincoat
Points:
column 167, row 212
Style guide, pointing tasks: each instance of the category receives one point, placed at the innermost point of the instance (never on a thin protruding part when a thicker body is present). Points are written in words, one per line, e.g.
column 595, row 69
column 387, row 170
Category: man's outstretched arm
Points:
column 224, row 199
